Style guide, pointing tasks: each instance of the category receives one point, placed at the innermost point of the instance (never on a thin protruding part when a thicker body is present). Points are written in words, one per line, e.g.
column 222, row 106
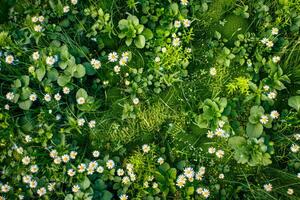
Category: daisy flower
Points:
column 9, row 59
column 113, row 57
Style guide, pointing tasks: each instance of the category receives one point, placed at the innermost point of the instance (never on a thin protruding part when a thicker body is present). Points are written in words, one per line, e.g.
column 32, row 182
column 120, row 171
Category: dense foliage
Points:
column 149, row 99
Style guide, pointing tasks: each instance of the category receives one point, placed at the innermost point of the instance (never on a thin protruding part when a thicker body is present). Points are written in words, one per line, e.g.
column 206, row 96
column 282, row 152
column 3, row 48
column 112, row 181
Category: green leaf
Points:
column 190, row 190
column 236, row 141
column 40, row 73
column 128, row 41
column 140, row 41
column 164, row 167
column 81, row 93
column 69, row 197
column 294, row 102
column 52, row 75
column 172, row 173
column 64, row 53
column 107, row 195
column 148, row 34
column 25, row 80
column 85, row 183
column 80, row 71
column 63, row 80
column 25, row 105
column 254, row 130
column 17, row 83
column 123, row 23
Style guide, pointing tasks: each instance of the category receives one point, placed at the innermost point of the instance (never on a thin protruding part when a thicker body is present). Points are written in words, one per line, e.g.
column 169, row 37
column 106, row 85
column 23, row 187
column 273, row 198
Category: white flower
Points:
column 125, row 55
column 50, row 60
column 146, row 184
column 66, row 90
column 28, row 138
column 57, row 97
column 33, row 97
column 123, row 61
column 154, row 185
column 36, row 55
column 264, row 119
column 47, row 97
column 160, row 160
column 219, row 132
column 157, row 59
column 221, row 176
column 41, row 191
column 71, row 172
column 33, row 184
column 20, row 150
column 34, row 19
column 81, row 168
column 93, row 165
column 297, row 136
column 92, row 124
column 9, row 59
column 272, row 95
column 125, row 180
column 181, row 180
column 26, row 160
column 113, row 57
column 129, row 167
column 202, row 170
column 184, row 2
column 120, row 172
column 100, row 169
column 275, row 31
column 26, row 178
column 274, row 114
column 123, row 197
column 264, row 40
column 268, row 187
column 34, row 168
column 135, row 101
column 81, row 100
column 74, row 2
column 270, row 44
column 146, row 148
column 117, row 69
column 276, row 59
column 73, row 154
column 186, row 23
column 177, row 24
column 221, row 123
column 57, row 160
column 212, row 71
column 53, row 153
column 164, row 49
column 176, row 42
column 110, row 164
column 66, row 9
column 80, row 121
column 189, row 172
column 205, row 193
column 75, row 188
column 211, row 150
column 220, row 153
column 298, row 175
column 290, row 191
column 199, row 190
column 90, row 171
column 266, row 87
column 6, row 107
column 210, row 134
column 96, row 63
column 10, row 96
column 294, row 148
column 5, row 188
column 96, row 154
column 51, row 186
column 38, row 28
column 65, row 158
column 41, row 18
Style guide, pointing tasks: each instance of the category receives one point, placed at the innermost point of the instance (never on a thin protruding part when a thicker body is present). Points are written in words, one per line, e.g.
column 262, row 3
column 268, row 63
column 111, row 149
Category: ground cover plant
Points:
column 149, row 99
